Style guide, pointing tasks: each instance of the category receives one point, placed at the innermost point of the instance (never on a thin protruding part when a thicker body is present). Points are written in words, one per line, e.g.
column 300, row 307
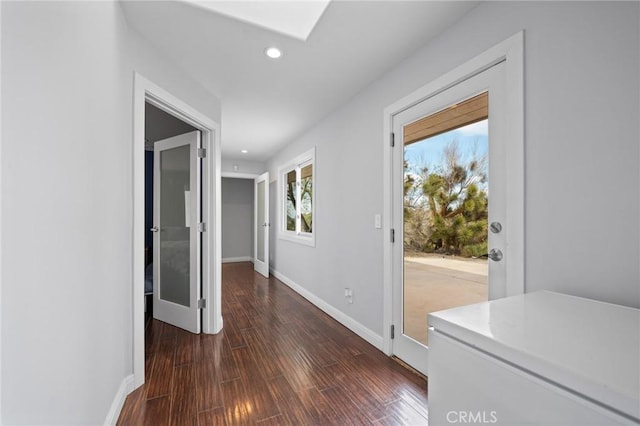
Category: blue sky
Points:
column 430, row 150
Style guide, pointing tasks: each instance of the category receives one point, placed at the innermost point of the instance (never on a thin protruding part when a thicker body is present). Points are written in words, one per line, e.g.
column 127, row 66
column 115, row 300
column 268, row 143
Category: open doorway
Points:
column 207, row 147
column 237, row 219
column 245, row 220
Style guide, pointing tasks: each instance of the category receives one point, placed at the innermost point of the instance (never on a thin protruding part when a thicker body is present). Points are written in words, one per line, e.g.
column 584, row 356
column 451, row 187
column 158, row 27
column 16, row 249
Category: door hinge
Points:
column 202, row 227
column 393, row 331
column 393, row 235
column 202, row 153
column 393, row 140
column 202, row 303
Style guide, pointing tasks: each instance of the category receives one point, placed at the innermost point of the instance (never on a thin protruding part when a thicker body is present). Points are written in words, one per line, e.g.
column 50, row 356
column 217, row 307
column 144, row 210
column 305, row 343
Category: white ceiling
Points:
column 267, row 103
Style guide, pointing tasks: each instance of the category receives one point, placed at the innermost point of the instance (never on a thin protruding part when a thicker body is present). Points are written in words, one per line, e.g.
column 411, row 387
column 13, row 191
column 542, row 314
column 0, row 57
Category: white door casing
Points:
column 178, row 258
column 261, row 225
column 507, row 124
column 145, row 91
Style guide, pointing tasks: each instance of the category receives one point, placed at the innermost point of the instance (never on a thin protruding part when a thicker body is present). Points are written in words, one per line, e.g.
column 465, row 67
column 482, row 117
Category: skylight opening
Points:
column 295, row 19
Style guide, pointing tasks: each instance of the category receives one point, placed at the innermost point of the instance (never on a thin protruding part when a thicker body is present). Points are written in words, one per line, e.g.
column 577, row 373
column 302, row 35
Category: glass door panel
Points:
column 261, row 228
column 446, row 204
column 261, row 222
column 175, row 215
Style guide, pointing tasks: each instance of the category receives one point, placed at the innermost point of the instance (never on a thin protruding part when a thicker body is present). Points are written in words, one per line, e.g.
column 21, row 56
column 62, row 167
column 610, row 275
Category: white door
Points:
column 445, row 196
column 262, row 225
column 177, row 244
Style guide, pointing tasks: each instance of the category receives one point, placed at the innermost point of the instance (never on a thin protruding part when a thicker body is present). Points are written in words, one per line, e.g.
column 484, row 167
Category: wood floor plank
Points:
column 263, row 354
column 156, row 411
column 402, row 413
column 346, row 380
column 317, row 407
column 289, row 402
column 215, row 417
column 133, row 409
column 233, row 336
column 162, row 370
column 279, row 420
column 348, row 412
column 184, row 347
column 238, row 406
column 360, row 367
column 184, row 406
column 278, row 361
column 208, row 393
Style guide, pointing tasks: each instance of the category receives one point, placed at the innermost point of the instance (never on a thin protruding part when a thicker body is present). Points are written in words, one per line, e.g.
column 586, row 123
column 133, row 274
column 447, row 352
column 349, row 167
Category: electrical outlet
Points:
column 348, row 294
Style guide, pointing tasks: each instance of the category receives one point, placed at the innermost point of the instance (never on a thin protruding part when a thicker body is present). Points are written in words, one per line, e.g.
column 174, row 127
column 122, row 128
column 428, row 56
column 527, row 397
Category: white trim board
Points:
column 146, row 91
column 341, row 317
column 0, row 222
column 237, row 259
column 512, row 52
column 125, row 388
column 235, row 175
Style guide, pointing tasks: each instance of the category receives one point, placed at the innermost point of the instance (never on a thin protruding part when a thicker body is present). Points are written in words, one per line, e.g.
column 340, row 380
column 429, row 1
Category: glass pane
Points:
column 446, row 201
column 260, row 222
column 290, row 207
column 306, row 198
column 175, row 207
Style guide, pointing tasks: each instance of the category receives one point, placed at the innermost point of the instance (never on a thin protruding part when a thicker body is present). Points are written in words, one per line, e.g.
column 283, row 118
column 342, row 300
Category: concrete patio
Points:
column 434, row 282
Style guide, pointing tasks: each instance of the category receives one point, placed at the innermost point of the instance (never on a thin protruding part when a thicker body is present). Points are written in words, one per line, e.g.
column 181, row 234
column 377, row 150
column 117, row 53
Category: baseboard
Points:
column 118, row 401
column 237, row 259
column 344, row 319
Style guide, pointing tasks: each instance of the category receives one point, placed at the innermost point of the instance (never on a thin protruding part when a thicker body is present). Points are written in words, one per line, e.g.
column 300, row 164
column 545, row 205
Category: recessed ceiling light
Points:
column 273, row 52
column 244, row 151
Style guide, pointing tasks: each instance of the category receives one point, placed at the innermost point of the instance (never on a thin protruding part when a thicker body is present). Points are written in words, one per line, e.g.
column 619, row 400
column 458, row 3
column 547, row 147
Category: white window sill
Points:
column 300, row 239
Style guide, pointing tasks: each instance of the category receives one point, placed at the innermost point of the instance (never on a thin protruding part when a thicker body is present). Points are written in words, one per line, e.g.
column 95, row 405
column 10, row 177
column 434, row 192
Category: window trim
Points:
column 297, row 163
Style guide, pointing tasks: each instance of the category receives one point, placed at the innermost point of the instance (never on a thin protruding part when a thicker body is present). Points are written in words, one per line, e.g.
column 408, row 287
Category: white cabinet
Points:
column 542, row 358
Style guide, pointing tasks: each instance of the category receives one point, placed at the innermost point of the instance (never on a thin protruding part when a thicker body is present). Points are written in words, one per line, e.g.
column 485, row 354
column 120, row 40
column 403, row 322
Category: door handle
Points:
column 495, row 227
column 495, row 255
column 154, row 229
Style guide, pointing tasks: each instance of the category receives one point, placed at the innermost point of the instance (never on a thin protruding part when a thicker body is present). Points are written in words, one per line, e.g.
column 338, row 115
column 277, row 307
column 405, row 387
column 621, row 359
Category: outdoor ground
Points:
column 435, row 282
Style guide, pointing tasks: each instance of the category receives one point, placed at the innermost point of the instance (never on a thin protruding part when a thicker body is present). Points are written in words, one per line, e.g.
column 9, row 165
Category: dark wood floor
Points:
column 278, row 361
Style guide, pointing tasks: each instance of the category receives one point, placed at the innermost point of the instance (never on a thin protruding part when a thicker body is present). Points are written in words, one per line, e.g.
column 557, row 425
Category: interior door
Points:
column 444, row 228
column 177, row 240
column 262, row 225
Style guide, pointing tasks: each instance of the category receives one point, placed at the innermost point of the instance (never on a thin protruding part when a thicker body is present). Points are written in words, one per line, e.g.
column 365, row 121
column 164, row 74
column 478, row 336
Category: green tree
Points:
column 457, row 206
column 446, row 209
column 417, row 224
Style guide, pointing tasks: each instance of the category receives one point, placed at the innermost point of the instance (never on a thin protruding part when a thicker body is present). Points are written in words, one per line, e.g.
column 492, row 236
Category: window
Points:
column 297, row 200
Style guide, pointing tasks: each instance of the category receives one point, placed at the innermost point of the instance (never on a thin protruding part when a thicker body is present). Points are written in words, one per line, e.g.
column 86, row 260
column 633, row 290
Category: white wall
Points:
column 582, row 157
column 244, row 167
column 237, row 218
column 67, row 77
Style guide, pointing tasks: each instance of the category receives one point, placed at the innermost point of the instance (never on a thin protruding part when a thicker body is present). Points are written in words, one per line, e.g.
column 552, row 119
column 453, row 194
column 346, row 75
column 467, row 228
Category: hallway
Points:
column 278, row 361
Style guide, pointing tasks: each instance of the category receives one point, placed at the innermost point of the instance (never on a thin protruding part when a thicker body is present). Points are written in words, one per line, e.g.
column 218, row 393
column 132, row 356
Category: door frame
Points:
column 512, row 52
column 245, row 176
column 146, row 91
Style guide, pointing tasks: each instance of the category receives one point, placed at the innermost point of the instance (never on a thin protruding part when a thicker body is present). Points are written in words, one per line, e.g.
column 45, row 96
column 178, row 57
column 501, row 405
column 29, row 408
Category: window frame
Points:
column 297, row 164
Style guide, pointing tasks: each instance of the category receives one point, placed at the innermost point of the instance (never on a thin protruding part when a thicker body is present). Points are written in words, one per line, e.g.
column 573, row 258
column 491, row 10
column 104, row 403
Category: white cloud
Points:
column 479, row 128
